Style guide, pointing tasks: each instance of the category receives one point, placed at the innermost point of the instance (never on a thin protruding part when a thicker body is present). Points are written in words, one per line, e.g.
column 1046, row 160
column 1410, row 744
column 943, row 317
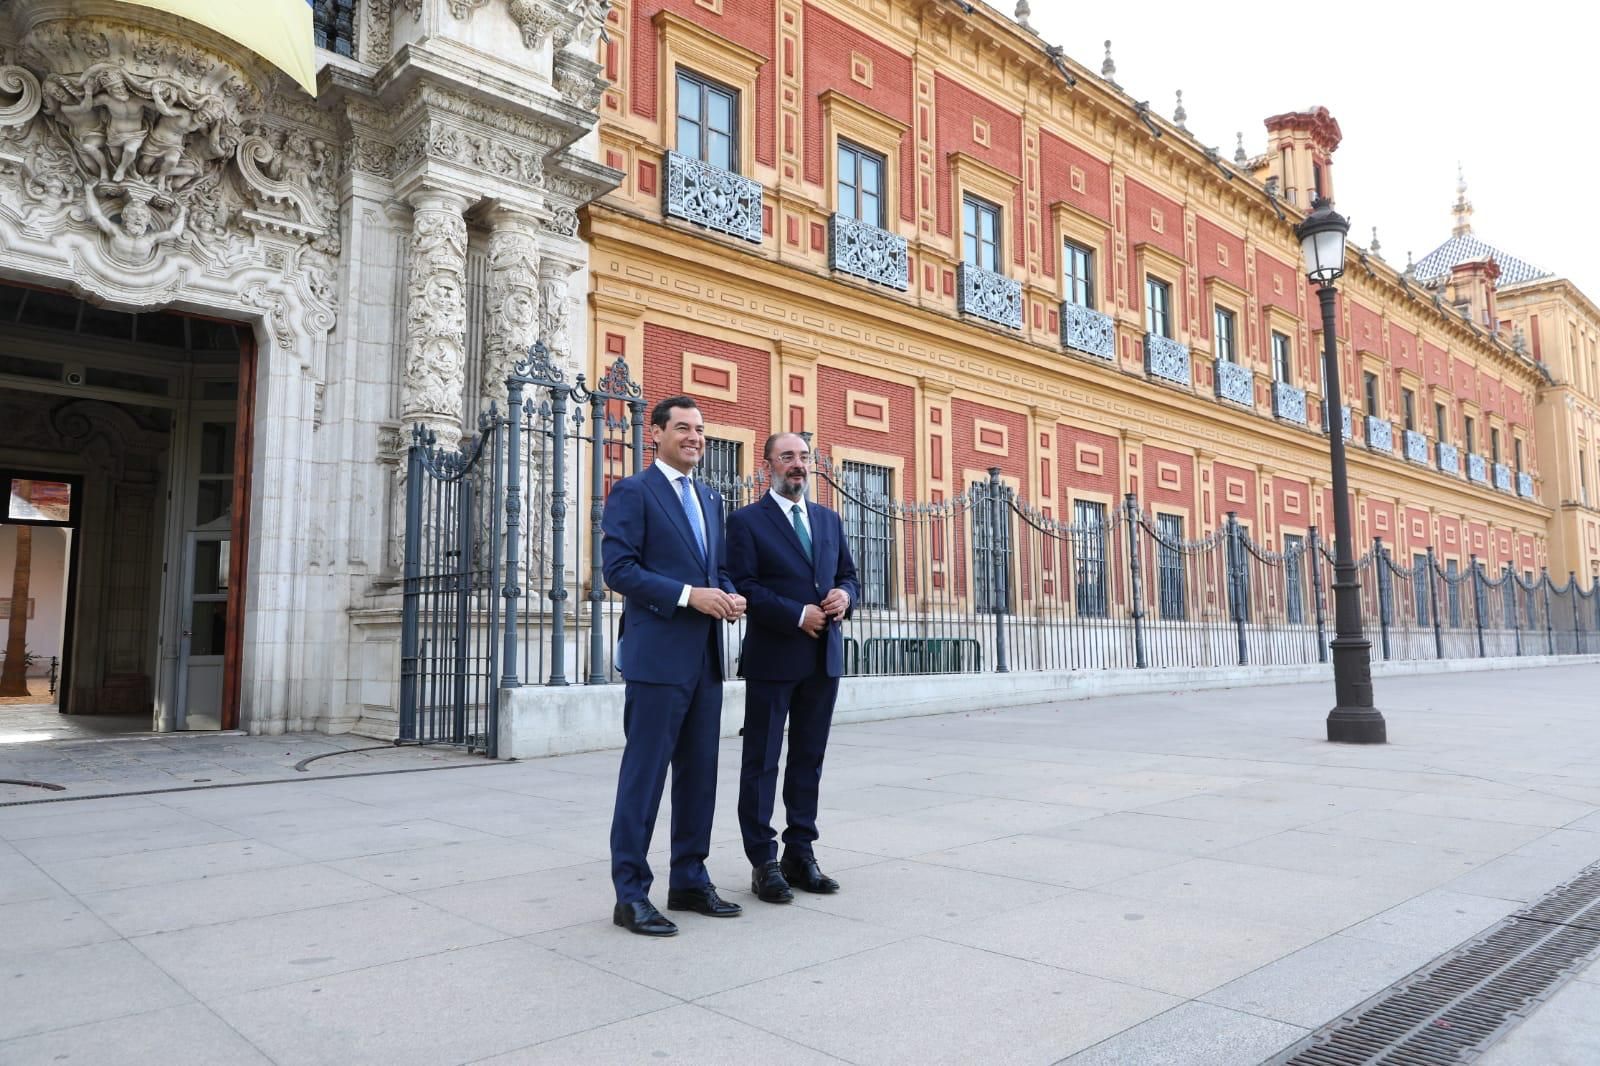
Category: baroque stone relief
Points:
column 156, row 150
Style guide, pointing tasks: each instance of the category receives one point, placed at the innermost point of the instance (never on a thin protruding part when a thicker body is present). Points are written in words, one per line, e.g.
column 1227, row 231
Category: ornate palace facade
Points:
column 224, row 302
column 945, row 247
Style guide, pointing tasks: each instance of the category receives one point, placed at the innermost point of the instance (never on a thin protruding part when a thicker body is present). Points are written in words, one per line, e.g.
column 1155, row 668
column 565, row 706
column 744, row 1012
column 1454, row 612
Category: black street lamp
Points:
column 1353, row 720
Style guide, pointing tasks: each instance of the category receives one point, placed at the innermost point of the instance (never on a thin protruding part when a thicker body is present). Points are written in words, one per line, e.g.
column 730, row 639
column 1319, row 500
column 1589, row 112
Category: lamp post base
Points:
column 1357, row 725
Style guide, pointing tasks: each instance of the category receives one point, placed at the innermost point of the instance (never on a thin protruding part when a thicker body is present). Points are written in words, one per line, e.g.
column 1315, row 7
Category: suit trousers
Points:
column 677, row 726
column 808, row 706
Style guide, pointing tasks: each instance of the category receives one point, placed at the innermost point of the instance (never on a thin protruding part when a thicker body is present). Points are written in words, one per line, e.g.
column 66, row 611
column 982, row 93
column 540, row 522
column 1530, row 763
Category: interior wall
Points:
column 47, row 588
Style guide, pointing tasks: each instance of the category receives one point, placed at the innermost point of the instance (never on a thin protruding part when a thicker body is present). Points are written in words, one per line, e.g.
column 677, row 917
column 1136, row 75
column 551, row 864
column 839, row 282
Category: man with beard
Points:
column 788, row 557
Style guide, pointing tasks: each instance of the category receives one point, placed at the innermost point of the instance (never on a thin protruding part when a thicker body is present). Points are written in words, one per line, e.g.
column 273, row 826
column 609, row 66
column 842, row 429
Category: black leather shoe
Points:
column 805, row 873
column 768, row 884
column 642, row 917
column 702, row 901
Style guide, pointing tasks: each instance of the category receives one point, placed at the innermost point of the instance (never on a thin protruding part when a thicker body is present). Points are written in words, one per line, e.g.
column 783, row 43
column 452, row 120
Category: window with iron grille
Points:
column 1408, row 407
column 861, row 184
column 1494, row 445
column 1169, row 567
column 707, row 121
column 991, row 551
column 721, row 467
column 1282, row 365
column 1419, row 587
column 1089, row 558
column 1516, row 451
column 1227, row 330
column 1369, row 389
column 1078, row 271
column 1452, row 572
column 1294, row 560
column 868, row 529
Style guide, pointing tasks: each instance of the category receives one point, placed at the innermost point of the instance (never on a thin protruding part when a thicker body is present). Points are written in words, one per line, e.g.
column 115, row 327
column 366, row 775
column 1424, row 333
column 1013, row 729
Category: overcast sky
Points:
column 1416, row 88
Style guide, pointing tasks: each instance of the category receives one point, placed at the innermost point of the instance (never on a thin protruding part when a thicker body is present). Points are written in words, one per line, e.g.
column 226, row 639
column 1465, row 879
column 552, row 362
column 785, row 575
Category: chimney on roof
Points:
column 1463, row 206
column 1300, row 147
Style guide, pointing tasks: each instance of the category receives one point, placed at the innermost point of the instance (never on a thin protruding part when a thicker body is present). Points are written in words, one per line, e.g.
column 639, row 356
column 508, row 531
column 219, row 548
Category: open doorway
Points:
column 126, row 456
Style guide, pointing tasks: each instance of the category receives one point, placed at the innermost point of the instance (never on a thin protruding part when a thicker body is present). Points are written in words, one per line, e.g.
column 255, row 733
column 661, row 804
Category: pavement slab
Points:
column 1190, row 878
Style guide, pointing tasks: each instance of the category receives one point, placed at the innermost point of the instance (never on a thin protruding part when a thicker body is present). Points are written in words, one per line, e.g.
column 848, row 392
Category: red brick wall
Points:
column 1208, row 239
column 1300, row 517
column 828, row 45
column 1247, row 508
column 1404, row 351
column 899, row 441
column 749, row 23
column 1056, row 160
column 963, row 445
column 663, row 376
column 1068, row 475
column 1434, row 367
column 1366, row 328
column 1152, row 493
column 955, row 107
column 1270, row 269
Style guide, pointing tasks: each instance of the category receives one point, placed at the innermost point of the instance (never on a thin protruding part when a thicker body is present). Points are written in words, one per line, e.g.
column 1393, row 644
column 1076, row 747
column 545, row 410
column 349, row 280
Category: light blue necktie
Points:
column 692, row 512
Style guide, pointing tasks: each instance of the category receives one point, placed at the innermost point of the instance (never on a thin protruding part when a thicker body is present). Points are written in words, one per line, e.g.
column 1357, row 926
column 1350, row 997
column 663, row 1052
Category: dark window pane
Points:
column 213, row 499
column 208, row 628
column 216, row 448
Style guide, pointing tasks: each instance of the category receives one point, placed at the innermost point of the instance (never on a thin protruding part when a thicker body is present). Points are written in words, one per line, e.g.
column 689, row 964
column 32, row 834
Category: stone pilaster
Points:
column 436, row 315
column 513, row 298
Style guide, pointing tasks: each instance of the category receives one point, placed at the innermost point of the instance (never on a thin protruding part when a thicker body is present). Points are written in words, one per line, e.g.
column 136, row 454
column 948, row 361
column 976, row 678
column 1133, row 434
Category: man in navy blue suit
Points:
column 663, row 552
column 788, row 556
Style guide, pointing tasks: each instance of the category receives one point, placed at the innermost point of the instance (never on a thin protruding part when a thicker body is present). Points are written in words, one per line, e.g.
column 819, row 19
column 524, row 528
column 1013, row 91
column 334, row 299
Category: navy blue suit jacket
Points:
column 770, row 570
column 649, row 554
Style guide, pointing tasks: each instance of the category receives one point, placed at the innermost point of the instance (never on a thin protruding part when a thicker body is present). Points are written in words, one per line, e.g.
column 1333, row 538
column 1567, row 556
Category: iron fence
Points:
column 503, row 583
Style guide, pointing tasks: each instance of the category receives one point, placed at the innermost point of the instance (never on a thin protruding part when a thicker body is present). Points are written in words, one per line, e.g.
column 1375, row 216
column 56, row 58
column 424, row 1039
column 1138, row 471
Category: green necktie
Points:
column 800, row 531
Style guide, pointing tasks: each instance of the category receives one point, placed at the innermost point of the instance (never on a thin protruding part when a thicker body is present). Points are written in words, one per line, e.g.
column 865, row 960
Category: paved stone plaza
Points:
column 1182, row 878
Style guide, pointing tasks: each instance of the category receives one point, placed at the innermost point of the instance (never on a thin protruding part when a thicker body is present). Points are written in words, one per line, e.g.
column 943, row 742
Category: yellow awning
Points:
column 278, row 31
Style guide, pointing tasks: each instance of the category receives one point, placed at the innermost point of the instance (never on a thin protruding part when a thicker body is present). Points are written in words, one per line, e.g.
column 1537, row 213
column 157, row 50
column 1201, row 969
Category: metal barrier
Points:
column 503, row 584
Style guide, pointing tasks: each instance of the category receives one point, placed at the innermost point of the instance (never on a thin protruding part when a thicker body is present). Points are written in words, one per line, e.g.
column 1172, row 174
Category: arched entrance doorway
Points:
column 126, row 446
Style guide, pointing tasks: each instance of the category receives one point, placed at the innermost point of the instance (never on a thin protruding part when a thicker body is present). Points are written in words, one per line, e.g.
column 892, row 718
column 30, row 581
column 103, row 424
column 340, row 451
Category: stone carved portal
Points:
column 150, row 161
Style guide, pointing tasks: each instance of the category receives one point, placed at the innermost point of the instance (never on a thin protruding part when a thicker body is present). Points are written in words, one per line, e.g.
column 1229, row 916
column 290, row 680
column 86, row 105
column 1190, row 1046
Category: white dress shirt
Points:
column 673, row 477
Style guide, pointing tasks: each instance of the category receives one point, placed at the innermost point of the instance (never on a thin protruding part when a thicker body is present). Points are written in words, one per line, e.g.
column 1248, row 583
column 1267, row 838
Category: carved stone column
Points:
column 555, row 312
column 436, row 315
column 513, row 303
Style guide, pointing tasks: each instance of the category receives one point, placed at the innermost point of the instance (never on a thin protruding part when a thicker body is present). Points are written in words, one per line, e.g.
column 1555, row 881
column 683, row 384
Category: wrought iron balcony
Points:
column 1525, row 485
column 1289, row 403
column 866, row 251
column 1502, row 477
column 1477, row 469
column 1449, row 459
column 1380, row 434
column 984, row 294
column 1416, row 447
column 1236, row 383
column 1088, row 331
column 712, row 197
column 1165, row 358
column 1344, row 414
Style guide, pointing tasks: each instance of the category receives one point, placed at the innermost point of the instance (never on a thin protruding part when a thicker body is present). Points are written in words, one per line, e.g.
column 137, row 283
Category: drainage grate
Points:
column 1447, row 1012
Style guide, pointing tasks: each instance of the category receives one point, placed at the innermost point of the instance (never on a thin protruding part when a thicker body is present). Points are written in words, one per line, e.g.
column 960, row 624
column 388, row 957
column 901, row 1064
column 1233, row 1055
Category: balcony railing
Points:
column 712, row 197
column 1344, row 417
column 1380, row 434
column 1236, row 384
column 1449, row 459
column 1525, row 485
column 1502, row 477
column 984, row 294
column 1416, row 447
column 866, row 251
column 1086, row 330
column 1165, row 358
column 1289, row 403
column 1477, row 469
